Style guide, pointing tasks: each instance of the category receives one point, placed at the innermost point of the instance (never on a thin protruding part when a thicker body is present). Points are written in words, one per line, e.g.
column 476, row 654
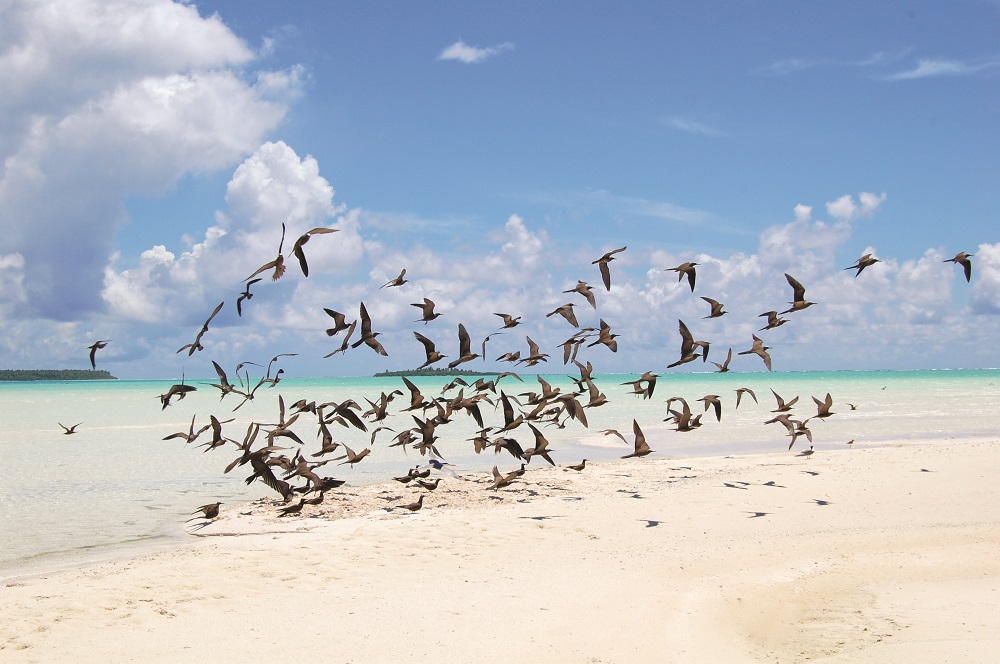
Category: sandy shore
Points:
column 885, row 554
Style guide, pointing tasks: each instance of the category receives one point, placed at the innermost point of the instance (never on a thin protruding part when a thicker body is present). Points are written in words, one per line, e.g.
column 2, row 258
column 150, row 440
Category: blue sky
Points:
column 153, row 149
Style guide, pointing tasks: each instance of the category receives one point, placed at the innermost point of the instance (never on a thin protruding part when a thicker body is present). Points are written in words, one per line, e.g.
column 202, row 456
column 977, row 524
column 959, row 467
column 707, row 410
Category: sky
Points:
column 152, row 151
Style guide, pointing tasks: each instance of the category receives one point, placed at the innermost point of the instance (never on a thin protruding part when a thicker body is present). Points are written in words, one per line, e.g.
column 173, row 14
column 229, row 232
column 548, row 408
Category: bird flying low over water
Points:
column 68, row 430
column 641, row 447
column 602, row 263
column 432, row 354
column 96, row 346
column 865, row 261
column 962, row 258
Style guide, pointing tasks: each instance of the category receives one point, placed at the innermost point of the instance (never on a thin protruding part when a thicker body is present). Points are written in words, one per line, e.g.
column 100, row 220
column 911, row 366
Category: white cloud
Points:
column 113, row 84
column 463, row 52
column 691, row 126
column 844, row 209
column 930, row 67
column 986, row 279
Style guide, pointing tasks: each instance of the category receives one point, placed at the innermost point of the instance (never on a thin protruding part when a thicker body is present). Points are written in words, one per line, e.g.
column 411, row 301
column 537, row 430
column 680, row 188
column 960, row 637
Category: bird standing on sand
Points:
column 962, row 258
column 413, row 507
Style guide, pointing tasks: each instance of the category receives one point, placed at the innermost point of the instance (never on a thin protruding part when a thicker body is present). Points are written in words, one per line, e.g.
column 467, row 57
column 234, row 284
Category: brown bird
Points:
column 432, row 354
column 585, row 290
column 196, row 344
column 297, row 247
column 783, row 406
column 578, row 466
column 347, row 340
column 98, row 345
column 353, row 458
column 740, row 391
column 190, row 435
column 685, row 269
column 465, row 353
column 602, row 263
column 760, row 350
column 566, row 311
column 209, row 511
column 713, row 400
column 413, row 507
column 278, row 264
column 68, row 430
column 398, row 281
column 339, row 322
column 509, row 321
column 245, row 295
column 641, row 448
column 773, row 320
column 716, row 308
column 178, row 390
column 427, row 309
column 799, row 301
column 367, row 336
column 688, row 346
column 962, row 258
column 724, row 367
column 605, row 337
column 865, row 261
column 823, row 407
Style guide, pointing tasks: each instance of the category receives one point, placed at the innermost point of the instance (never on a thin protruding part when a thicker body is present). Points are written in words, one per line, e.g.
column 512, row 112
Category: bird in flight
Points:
column 98, row 345
column 962, row 258
column 602, row 263
column 278, row 264
column 68, row 430
column 865, row 261
column 297, row 247
column 685, row 269
column 799, row 301
column 398, row 281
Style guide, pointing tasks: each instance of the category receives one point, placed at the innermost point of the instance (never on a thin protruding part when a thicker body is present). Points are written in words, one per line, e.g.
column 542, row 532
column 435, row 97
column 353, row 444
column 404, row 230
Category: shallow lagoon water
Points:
column 117, row 481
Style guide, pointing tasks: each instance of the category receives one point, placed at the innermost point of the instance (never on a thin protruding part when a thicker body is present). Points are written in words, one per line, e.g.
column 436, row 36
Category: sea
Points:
column 116, row 484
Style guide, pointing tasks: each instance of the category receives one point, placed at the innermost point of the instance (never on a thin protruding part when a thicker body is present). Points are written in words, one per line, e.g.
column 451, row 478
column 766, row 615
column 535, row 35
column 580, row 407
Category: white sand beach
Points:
column 884, row 554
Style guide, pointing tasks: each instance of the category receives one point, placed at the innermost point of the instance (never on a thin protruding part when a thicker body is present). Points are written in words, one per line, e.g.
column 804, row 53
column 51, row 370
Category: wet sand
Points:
column 852, row 555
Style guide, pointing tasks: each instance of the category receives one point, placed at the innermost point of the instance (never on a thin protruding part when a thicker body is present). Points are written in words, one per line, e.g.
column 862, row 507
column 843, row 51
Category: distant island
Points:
column 434, row 372
column 18, row 375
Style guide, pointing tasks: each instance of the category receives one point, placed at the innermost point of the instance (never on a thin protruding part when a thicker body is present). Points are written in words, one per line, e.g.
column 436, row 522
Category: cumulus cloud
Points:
column 467, row 54
column 273, row 186
column 92, row 90
column 845, row 209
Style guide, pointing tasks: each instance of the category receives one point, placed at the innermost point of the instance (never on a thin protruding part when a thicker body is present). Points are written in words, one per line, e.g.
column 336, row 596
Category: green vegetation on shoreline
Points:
column 434, row 372
column 17, row 375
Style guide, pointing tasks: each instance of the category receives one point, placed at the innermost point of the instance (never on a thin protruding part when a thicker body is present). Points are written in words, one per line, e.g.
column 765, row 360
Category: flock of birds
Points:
column 277, row 456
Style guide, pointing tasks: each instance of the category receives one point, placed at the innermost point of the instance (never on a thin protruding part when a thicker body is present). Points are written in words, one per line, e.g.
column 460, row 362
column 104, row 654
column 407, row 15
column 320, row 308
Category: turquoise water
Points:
column 117, row 481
